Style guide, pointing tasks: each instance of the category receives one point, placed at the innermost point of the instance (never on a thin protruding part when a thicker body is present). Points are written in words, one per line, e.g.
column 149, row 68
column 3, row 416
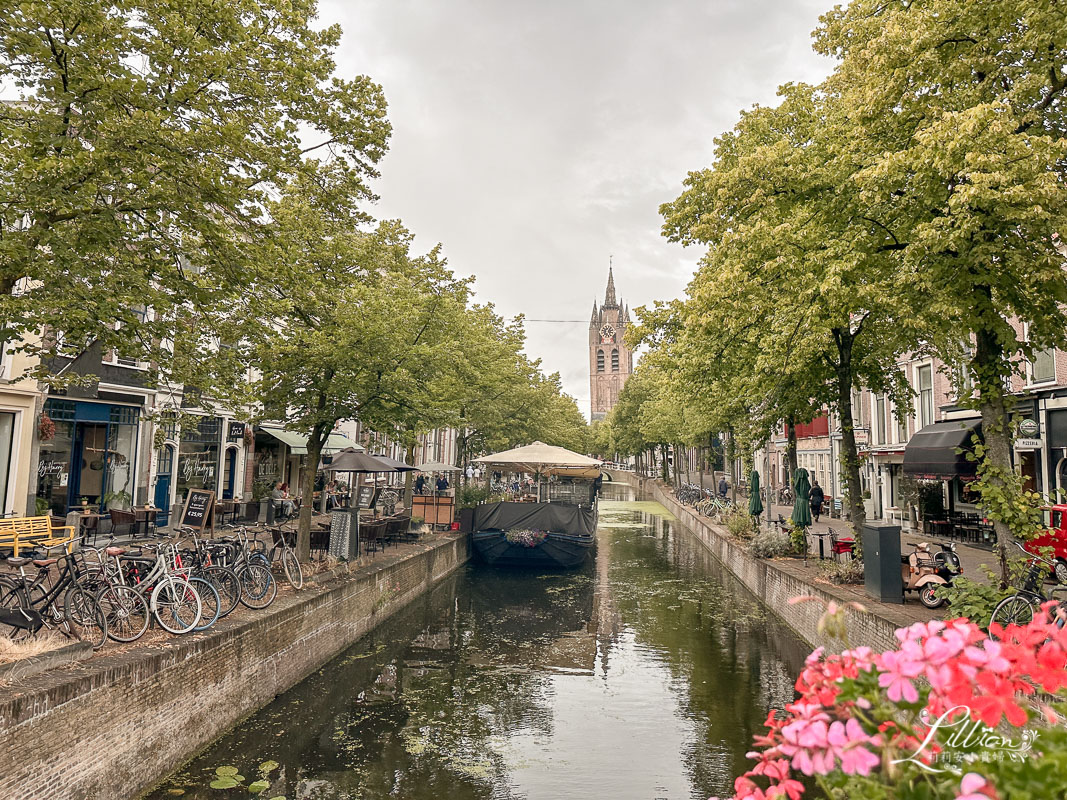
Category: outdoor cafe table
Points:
column 822, row 537
column 144, row 517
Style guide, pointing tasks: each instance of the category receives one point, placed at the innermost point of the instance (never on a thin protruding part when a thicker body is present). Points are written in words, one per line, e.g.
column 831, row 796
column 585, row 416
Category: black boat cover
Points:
column 555, row 517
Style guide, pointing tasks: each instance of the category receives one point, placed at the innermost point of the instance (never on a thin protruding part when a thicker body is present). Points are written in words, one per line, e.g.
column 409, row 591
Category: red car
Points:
column 1055, row 537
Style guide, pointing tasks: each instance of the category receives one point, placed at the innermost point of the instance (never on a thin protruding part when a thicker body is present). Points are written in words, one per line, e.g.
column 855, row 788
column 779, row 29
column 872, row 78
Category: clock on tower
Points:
column 607, row 334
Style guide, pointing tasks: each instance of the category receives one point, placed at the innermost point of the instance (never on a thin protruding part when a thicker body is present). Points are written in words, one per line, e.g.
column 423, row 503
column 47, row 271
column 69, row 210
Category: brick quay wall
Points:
column 776, row 582
column 112, row 727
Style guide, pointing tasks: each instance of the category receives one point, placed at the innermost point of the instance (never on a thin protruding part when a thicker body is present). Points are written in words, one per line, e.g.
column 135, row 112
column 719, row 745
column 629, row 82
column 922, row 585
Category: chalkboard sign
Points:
column 199, row 509
column 366, row 497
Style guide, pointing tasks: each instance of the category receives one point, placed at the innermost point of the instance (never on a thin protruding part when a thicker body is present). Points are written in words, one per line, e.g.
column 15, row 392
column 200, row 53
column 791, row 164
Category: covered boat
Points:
column 559, row 530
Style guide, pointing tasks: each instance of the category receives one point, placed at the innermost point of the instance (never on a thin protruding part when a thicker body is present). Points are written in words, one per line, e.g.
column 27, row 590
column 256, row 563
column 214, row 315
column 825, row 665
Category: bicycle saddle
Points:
column 115, row 551
column 44, row 562
column 17, row 561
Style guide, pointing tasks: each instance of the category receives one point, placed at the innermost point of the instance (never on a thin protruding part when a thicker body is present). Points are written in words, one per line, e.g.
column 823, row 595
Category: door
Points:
column 164, row 474
column 229, row 474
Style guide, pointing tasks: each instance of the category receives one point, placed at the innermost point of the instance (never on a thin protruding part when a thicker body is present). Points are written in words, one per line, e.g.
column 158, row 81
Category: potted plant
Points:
column 120, row 500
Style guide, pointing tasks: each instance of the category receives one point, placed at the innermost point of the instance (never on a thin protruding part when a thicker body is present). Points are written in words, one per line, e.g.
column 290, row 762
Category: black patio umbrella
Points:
column 356, row 461
column 397, row 466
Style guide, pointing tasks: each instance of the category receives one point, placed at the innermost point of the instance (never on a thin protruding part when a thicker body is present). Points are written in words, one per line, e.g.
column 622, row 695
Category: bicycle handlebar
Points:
column 1034, row 556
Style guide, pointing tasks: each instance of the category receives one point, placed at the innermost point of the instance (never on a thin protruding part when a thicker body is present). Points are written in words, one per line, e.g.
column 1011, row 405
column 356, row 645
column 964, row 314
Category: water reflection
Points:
column 643, row 675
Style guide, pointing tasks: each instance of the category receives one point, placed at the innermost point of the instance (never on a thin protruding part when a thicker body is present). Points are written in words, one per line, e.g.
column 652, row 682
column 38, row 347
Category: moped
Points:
column 919, row 573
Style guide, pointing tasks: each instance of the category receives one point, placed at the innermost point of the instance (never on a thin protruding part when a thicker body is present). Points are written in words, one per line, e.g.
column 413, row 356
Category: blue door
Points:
column 164, row 470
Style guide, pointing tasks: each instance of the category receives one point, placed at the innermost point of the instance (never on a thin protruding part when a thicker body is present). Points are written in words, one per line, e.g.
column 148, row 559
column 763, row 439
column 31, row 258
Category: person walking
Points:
column 420, row 483
column 816, row 499
column 723, row 487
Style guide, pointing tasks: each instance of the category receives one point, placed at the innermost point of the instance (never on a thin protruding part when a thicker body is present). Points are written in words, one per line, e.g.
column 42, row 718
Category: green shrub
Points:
column 770, row 544
column 740, row 524
column 849, row 571
column 471, row 495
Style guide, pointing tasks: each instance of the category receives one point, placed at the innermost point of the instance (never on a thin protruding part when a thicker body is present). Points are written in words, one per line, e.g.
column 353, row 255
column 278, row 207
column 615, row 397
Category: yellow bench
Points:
column 25, row 533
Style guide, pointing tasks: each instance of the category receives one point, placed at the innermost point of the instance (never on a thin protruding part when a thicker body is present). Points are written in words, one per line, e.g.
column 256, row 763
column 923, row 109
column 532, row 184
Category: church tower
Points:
column 610, row 360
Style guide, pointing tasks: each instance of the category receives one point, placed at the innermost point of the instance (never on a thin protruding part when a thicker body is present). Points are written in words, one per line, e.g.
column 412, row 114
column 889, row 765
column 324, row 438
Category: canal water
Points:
column 642, row 676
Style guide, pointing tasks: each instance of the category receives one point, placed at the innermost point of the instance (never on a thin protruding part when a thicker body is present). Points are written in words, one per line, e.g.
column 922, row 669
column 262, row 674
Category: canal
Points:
column 642, row 676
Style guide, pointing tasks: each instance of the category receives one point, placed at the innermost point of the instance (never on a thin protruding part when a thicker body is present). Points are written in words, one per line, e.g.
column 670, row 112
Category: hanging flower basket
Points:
column 249, row 436
column 46, row 429
column 526, row 538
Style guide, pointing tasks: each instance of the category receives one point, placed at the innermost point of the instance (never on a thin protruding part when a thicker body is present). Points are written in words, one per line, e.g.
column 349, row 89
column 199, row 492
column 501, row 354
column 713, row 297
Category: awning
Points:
column 934, row 452
column 298, row 442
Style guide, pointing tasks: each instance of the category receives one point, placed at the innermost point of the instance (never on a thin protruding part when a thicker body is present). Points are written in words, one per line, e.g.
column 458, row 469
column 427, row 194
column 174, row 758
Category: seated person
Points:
column 442, row 484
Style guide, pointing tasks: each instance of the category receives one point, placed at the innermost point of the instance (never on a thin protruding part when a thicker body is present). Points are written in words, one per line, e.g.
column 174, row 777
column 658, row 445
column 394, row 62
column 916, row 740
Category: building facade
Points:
column 610, row 360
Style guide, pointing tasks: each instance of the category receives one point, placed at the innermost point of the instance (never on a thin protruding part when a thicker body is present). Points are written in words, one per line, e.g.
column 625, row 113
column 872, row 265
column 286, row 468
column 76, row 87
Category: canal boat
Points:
column 556, row 527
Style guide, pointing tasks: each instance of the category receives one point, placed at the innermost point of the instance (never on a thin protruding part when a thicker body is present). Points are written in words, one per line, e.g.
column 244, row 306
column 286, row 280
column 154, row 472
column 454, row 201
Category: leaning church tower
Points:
column 610, row 360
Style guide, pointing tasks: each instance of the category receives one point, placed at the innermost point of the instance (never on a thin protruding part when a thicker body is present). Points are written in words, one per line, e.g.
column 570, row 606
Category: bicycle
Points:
column 174, row 601
column 223, row 579
column 258, row 587
column 27, row 606
column 283, row 549
column 1019, row 608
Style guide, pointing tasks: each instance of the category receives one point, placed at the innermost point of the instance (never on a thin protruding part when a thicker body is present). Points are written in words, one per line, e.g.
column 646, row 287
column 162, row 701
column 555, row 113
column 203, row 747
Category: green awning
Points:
column 298, row 442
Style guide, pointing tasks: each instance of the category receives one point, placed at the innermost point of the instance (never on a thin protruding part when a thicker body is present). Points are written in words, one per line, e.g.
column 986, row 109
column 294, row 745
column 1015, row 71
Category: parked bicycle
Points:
column 258, row 587
column 1019, row 608
column 175, row 601
column 283, row 549
column 62, row 603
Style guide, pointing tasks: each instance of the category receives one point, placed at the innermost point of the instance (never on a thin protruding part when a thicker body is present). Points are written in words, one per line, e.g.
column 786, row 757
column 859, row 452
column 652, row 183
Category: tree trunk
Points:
column 316, row 442
column 731, row 457
column 990, row 369
column 665, row 468
column 849, row 456
column 791, row 450
column 409, row 458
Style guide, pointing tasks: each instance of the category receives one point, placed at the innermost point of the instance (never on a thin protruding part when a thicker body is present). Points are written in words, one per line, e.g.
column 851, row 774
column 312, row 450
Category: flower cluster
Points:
column 46, row 428
column 866, row 718
column 527, row 538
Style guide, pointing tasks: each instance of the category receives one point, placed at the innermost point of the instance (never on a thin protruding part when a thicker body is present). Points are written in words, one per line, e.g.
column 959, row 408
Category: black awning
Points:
column 934, row 452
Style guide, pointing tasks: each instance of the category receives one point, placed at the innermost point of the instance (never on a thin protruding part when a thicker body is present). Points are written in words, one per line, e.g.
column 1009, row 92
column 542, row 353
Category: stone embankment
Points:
column 776, row 582
column 111, row 727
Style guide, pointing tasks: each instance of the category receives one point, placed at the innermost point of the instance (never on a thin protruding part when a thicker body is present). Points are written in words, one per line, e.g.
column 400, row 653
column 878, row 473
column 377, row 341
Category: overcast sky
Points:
column 536, row 138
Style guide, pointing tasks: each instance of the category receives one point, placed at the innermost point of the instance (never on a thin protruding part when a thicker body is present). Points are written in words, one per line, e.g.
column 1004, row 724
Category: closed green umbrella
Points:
column 755, row 504
column 801, row 515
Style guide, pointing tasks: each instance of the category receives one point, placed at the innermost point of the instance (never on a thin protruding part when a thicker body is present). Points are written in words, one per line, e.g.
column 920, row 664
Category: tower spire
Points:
column 609, row 295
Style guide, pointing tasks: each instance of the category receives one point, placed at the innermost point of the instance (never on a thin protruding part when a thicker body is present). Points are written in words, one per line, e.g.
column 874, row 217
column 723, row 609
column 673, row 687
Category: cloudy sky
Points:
column 535, row 138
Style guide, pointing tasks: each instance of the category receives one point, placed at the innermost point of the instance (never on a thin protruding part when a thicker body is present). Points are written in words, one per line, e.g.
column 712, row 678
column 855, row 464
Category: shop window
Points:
column 198, row 456
column 7, row 439
column 53, row 469
column 60, row 410
column 926, row 396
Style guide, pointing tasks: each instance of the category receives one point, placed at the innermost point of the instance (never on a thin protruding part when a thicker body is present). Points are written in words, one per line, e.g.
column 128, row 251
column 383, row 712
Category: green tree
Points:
column 958, row 113
column 797, row 299
column 136, row 169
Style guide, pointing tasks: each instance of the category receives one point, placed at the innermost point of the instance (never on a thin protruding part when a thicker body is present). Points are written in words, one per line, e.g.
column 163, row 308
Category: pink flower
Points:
column 847, row 742
column 975, row 787
column 898, row 671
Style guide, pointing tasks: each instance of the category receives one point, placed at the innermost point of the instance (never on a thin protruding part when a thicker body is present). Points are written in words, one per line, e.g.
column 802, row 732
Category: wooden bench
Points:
column 26, row 533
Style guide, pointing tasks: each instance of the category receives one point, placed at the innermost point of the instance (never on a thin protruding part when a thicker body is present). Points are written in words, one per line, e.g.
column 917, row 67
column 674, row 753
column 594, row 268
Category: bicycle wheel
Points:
column 258, row 587
column 1015, row 610
column 83, row 617
column 293, row 573
column 259, row 558
column 210, row 603
column 226, row 584
column 175, row 605
column 126, row 611
column 9, row 598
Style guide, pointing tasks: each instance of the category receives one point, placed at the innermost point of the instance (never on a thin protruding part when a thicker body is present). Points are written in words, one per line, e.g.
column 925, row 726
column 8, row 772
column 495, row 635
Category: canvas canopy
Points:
column 298, row 442
column 436, row 466
column 544, row 458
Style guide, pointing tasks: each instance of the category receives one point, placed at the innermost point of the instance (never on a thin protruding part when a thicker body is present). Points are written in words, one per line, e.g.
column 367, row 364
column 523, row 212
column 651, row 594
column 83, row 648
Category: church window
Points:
column 614, row 360
column 599, row 360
